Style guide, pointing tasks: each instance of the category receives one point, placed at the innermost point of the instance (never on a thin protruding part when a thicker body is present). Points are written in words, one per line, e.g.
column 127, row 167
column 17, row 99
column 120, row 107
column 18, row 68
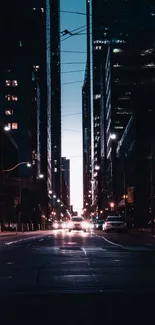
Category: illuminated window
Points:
column 149, row 65
column 8, row 97
column 118, row 127
column 8, row 112
column 98, row 47
column 14, row 83
column 7, row 83
column 117, row 65
column 14, row 126
column 147, row 51
column 42, row 9
column 117, row 50
column 14, row 98
column 55, row 170
column 97, row 96
column 36, row 67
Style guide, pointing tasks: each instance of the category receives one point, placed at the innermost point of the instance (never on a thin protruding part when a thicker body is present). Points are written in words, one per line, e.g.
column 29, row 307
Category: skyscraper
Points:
column 54, row 50
column 65, row 169
column 123, row 45
column 30, row 85
column 86, row 122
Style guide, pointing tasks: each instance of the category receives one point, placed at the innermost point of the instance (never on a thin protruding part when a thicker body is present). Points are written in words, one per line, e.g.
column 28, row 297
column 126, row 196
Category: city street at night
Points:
column 78, row 262
column 59, row 262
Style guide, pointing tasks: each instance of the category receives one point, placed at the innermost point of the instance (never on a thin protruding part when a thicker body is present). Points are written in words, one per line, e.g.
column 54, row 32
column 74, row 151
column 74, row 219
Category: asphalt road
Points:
column 77, row 262
column 59, row 262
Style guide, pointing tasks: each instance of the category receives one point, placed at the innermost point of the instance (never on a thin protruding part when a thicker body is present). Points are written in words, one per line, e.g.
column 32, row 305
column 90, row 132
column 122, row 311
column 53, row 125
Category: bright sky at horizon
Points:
column 72, row 94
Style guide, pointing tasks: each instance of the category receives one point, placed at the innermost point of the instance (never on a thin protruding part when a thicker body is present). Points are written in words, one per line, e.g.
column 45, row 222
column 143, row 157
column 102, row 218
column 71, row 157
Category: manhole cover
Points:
column 69, row 248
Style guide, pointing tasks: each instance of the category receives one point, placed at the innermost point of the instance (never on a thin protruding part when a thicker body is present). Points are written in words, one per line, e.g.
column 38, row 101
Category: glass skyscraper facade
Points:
column 123, row 69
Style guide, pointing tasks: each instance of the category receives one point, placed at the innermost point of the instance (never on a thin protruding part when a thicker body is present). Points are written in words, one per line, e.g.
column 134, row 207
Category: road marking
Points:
column 110, row 242
column 41, row 239
column 94, row 249
column 20, row 240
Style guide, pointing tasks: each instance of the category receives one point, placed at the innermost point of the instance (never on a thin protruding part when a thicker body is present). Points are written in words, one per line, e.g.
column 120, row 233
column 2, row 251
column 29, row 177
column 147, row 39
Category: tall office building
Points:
column 54, row 47
column 123, row 43
column 65, row 169
column 86, row 122
column 30, row 85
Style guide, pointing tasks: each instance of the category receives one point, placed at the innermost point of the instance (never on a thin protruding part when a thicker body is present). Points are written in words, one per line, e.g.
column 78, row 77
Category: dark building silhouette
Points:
column 30, row 87
column 123, row 68
column 86, row 122
column 65, row 169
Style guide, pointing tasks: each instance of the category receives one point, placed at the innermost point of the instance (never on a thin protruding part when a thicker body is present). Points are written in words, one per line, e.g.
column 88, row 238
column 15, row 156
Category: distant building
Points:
column 65, row 168
column 86, row 123
column 30, row 100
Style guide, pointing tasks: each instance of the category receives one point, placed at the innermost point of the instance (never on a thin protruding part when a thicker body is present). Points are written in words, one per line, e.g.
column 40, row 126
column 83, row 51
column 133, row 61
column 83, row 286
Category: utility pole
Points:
column 124, row 178
column 152, row 187
column 125, row 191
column 2, row 182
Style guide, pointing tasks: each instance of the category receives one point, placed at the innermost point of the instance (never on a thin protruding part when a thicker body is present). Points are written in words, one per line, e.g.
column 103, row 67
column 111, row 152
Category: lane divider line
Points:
column 20, row 240
column 110, row 242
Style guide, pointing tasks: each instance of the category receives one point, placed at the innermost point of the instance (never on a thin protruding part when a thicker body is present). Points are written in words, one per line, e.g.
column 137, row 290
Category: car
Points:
column 99, row 224
column 57, row 225
column 92, row 225
column 114, row 223
column 78, row 223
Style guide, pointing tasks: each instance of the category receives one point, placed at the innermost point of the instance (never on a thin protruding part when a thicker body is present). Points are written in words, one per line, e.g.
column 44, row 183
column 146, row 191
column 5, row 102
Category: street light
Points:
column 58, row 200
column 50, row 192
column 112, row 204
column 41, row 176
column 113, row 136
column 14, row 167
column 54, row 196
column 97, row 167
column 6, row 128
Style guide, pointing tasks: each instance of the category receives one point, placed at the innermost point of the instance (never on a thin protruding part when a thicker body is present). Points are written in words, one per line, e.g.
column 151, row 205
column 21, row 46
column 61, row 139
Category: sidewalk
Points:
column 13, row 233
column 142, row 231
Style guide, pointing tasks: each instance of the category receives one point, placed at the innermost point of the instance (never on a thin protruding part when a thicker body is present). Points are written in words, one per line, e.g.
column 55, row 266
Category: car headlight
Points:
column 55, row 225
column 85, row 224
column 70, row 224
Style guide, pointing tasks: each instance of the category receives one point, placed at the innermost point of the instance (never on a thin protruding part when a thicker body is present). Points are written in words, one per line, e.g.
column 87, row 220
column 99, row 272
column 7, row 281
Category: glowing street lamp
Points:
column 50, row 192
column 58, row 200
column 113, row 136
column 6, row 128
column 112, row 204
column 28, row 165
column 54, row 196
column 41, row 176
column 97, row 167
